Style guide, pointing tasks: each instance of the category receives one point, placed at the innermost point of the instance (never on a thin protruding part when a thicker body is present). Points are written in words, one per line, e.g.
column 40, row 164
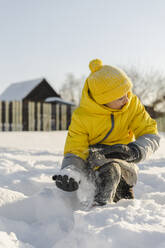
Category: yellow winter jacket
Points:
column 94, row 123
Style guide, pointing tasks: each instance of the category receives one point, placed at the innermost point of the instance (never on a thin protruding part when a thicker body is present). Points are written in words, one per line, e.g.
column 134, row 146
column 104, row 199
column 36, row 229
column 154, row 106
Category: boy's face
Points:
column 119, row 103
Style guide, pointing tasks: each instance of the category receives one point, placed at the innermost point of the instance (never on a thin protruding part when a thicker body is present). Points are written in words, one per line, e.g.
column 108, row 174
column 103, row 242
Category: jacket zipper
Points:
column 110, row 131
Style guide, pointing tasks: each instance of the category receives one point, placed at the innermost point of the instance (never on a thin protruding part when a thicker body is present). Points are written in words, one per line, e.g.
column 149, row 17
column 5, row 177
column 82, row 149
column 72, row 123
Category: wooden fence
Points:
column 161, row 123
column 37, row 116
column 34, row 116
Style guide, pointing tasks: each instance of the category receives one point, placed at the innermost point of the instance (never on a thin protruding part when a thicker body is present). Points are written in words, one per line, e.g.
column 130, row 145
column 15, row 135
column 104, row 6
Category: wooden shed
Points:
column 28, row 106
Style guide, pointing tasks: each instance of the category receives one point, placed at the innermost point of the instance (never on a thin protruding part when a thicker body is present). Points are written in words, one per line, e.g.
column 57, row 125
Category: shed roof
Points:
column 58, row 100
column 18, row 91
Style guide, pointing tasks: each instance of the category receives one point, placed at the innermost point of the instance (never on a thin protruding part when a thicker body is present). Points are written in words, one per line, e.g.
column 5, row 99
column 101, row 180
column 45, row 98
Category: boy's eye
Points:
column 121, row 98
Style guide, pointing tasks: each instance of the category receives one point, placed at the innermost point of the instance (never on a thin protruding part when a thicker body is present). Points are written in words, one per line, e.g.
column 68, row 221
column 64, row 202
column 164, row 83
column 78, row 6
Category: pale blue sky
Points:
column 54, row 37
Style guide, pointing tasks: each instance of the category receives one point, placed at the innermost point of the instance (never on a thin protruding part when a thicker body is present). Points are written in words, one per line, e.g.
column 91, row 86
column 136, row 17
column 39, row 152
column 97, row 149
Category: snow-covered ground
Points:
column 34, row 213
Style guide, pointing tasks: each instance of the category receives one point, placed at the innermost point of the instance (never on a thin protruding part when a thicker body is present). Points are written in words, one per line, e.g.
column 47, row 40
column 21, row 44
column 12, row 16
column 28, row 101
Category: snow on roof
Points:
column 18, row 91
column 57, row 99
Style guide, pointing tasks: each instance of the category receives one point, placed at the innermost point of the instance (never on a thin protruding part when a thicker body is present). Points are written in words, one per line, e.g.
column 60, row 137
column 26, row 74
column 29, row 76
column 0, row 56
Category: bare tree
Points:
column 149, row 87
column 71, row 88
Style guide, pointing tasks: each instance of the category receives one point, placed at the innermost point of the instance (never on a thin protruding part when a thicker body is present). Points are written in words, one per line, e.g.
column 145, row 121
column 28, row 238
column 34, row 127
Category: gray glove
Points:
column 65, row 183
column 135, row 153
column 130, row 152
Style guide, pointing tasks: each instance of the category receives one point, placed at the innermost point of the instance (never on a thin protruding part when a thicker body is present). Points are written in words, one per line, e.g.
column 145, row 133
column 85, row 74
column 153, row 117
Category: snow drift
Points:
column 35, row 214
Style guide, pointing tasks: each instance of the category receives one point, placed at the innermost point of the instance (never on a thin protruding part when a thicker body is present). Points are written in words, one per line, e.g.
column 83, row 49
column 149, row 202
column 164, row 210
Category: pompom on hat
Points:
column 107, row 83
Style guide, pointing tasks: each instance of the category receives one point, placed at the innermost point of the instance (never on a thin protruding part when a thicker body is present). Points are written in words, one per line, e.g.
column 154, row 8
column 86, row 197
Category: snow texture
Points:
column 58, row 100
column 35, row 214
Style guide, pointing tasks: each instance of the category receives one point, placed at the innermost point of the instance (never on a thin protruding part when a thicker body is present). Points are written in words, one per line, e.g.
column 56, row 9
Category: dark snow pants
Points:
column 110, row 185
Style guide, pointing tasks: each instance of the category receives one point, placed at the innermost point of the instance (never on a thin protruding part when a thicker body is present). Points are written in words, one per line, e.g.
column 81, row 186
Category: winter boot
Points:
column 107, row 179
column 123, row 191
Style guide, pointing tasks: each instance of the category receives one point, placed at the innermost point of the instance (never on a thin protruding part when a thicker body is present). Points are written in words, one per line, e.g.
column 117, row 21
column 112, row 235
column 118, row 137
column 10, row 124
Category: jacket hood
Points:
column 91, row 106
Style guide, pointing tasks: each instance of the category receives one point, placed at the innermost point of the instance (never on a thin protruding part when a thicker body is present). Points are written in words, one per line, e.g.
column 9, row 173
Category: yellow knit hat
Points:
column 107, row 83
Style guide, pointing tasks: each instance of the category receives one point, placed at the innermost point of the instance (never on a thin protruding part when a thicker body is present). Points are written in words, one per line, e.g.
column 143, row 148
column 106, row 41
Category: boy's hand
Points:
column 65, row 183
column 135, row 153
column 130, row 152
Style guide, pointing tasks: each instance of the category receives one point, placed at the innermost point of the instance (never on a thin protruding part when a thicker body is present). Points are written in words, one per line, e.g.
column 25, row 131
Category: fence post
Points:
column 10, row 115
column 53, row 117
column 63, row 117
column 41, row 116
column 57, row 116
column 20, row 116
column 25, row 115
column 0, row 116
column 38, row 116
column 46, row 116
column 68, row 116
column 3, row 115
column 161, row 124
column 35, row 116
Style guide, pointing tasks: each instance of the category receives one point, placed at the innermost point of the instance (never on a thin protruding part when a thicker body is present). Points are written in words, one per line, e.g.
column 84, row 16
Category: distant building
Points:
column 154, row 114
column 33, row 106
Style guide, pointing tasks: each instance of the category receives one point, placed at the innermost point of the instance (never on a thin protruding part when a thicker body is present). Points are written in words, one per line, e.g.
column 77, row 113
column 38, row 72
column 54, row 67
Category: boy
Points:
column 109, row 133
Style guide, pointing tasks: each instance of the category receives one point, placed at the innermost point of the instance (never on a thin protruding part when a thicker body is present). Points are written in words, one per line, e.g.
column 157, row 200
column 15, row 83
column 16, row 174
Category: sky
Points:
column 52, row 38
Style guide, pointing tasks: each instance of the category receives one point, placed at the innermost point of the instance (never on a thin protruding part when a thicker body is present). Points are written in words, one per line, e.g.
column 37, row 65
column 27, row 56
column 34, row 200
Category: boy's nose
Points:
column 126, row 99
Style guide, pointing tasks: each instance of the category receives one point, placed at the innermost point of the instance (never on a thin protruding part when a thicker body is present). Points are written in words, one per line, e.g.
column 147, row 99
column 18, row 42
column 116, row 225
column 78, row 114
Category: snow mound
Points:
column 35, row 214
